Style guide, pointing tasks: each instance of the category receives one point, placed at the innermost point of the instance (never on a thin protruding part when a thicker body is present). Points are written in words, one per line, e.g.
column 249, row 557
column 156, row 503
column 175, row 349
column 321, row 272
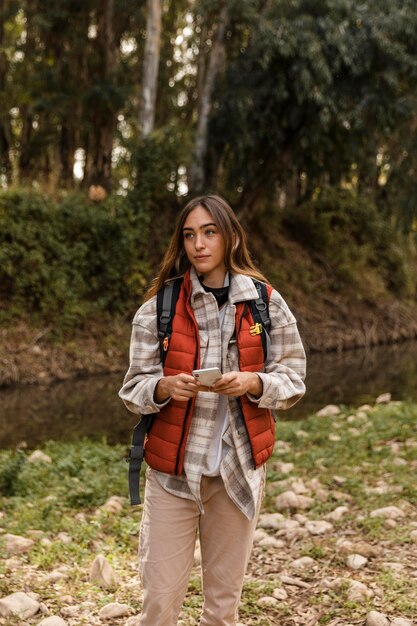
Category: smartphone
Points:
column 208, row 376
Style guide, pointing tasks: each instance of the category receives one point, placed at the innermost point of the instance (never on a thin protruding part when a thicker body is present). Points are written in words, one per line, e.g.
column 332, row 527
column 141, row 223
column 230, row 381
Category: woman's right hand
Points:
column 181, row 387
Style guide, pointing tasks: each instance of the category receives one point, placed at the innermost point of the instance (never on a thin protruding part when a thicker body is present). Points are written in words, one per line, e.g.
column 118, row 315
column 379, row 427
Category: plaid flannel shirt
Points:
column 282, row 382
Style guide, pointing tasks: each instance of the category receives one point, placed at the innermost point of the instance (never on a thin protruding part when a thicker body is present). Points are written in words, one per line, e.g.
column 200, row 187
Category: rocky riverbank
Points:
column 336, row 542
column 38, row 355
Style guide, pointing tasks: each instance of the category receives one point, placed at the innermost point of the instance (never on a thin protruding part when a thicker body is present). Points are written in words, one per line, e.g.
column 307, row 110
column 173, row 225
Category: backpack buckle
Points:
column 256, row 329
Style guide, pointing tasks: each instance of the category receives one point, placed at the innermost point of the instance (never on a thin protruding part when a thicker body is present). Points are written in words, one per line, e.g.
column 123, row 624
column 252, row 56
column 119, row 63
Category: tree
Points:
column 150, row 67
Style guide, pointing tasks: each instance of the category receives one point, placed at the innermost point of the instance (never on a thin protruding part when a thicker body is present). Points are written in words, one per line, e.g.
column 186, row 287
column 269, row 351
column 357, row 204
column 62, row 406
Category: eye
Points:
column 188, row 235
column 210, row 231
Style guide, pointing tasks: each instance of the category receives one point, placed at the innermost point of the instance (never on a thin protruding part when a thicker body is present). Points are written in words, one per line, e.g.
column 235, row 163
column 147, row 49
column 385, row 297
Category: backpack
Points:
column 166, row 303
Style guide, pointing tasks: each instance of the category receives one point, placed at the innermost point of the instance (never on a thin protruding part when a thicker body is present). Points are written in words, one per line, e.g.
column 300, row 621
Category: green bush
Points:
column 72, row 258
column 348, row 232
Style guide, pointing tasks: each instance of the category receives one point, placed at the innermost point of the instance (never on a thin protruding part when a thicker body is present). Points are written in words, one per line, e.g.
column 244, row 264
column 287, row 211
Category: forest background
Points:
column 301, row 113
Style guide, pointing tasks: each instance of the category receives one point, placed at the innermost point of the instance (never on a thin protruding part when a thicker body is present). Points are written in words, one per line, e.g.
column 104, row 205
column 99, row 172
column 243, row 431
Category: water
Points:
column 89, row 407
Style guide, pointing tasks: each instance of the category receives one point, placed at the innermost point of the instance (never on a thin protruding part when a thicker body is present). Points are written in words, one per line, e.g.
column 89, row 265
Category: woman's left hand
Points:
column 238, row 383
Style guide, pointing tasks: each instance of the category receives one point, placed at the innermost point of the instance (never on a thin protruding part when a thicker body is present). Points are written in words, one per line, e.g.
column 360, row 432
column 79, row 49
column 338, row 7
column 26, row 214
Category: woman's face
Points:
column 204, row 246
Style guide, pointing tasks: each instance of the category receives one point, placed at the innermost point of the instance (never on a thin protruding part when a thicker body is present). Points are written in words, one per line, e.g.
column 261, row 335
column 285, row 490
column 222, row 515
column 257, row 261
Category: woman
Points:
column 208, row 446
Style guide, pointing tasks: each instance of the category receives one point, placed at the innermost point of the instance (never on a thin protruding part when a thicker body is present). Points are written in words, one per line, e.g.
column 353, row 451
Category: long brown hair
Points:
column 236, row 254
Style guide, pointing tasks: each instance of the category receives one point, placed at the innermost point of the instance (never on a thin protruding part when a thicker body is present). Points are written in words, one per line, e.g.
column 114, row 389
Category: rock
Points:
column 393, row 566
column 318, row 527
column 64, row 538
column 283, row 468
column 365, row 407
column 35, row 533
column 113, row 610
column 304, row 562
column 46, row 542
column 113, row 505
column 38, row 456
column 337, row 514
column 301, row 519
column 339, row 480
column 297, row 485
column 331, row 410
column 267, row 601
column 18, row 604
column 15, row 544
column 340, row 495
column 398, row 461
column 413, row 536
column 133, row 621
column 55, row 576
column 270, row 520
column 400, row 621
column 334, row 438
column 390, row 523
column 358, row 591
column 271, row 542
column 374, row 618
column 101, row 572
column 291, row 500
column 259, row 535
column 281, row 447
column 367, row 549
column 280, row 594
column 302, row 434
column 71, row 611
column 356, row 561
column 391, row 512
column 384, row 398
column 53, row 620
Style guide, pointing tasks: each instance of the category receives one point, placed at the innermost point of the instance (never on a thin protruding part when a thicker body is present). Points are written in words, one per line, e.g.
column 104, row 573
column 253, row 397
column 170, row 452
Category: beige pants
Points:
column 166, row 553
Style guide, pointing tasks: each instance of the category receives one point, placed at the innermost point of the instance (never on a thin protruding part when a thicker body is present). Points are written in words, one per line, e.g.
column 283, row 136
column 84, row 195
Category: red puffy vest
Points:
column 166, row 442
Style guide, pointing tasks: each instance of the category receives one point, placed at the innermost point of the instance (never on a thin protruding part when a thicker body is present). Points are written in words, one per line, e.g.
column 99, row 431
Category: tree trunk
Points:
column 100, row 172
column 5, row 130
column 206, row 79
column 150, row 67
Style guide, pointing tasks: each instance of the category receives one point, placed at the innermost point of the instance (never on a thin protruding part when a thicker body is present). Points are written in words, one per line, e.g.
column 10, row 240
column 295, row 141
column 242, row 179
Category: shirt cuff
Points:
column 150, row 405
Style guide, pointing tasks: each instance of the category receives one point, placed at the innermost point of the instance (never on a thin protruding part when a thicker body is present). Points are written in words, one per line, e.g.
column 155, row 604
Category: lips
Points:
column 201, row 258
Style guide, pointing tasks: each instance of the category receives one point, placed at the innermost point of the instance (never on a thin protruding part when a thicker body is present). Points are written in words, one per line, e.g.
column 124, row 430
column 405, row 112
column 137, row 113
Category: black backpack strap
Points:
column 260, row 313
column 166, row 301
column 135, row 457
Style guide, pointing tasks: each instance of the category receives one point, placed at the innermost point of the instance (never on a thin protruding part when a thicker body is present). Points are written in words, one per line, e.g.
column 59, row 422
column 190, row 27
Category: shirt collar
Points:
column 241, row 287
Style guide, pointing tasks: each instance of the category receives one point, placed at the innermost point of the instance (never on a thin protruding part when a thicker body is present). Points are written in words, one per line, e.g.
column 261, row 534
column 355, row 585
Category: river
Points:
column 89, row 407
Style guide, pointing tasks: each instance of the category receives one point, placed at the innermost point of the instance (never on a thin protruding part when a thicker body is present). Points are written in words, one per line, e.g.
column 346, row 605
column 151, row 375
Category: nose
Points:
column 199, row 241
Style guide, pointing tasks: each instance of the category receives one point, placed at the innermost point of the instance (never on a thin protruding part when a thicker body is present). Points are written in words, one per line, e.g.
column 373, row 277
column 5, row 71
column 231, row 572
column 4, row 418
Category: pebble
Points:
column 356, row 561
column 114, row 504
column 391, row 512
column 291, row 500
column 374, row 618
column 114, row 610
column 304, row 562
column 133, row 621
column 413, row 536
column 64, row 538
column 334, row 438
column 271, row 542
column 55, row 576
column 71, row 611
column 331, row 410
column 270, row 520
column 318, row 527
column 358, row 591
column 259, row 535
column 280, row 594
column 268, row 601
column 283, row 468
column 383, row 398
column 337, row 514
column 101, row 572
column 400, row 621
column 19, row 604
column 15, row 544
column 38, row 456
column 53, row 620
